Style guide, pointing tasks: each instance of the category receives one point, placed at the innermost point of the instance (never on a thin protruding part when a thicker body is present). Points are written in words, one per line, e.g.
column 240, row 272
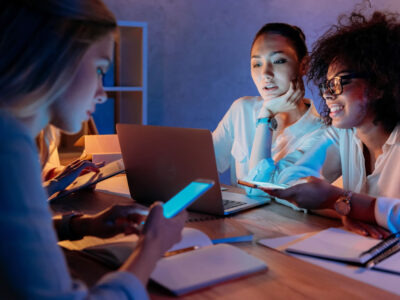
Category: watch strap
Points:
column 65, row 231
column 270, row 121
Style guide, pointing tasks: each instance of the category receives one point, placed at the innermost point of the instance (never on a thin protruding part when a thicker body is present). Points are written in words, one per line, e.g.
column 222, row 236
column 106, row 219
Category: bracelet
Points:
column 65, row 231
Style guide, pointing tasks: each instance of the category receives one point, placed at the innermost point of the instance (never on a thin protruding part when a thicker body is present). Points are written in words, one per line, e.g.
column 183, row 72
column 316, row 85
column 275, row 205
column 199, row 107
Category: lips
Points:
column 335, row 110
column 270, row 87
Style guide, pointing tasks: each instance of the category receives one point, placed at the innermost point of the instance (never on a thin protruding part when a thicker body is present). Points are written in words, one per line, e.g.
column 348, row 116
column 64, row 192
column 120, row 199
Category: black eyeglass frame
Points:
column 324, row 86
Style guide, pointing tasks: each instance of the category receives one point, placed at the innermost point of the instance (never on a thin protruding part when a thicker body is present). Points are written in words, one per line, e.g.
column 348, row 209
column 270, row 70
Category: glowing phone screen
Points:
column 186, row 197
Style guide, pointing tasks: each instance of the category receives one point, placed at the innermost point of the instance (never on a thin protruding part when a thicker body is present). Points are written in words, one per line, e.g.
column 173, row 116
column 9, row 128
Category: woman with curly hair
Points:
column 357, row 66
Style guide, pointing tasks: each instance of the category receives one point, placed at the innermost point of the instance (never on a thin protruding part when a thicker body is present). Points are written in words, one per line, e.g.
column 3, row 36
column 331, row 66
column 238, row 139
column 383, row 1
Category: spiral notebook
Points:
column 344, row 246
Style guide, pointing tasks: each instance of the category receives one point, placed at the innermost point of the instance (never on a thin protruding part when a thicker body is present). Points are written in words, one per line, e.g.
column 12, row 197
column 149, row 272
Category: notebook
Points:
column 383, row 280
column 181, row 271
column 340, row 245
column 160, row 161
column 207, row 265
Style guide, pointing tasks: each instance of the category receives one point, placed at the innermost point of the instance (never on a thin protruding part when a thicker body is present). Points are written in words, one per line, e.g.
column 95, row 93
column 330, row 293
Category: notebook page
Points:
column 192, row 237
column 335, row 243
column 197, row 269
column 392, row 263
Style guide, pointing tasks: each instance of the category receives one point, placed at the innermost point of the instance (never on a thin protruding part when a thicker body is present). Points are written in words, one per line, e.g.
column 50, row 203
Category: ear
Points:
column 374, row 93
column 304, row 65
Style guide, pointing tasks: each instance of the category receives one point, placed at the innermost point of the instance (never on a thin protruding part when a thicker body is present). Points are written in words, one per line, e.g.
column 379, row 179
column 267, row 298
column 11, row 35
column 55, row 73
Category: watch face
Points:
column 342, row 206
column 273, row 124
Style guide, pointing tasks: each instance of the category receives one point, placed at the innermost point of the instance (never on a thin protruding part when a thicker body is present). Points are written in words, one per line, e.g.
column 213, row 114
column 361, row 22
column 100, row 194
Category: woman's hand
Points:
column 159, row 235
column 284, row 103
column 69, row 174
column 314, row 194
column 111, row 221
column 365, row 229
column 162, row 231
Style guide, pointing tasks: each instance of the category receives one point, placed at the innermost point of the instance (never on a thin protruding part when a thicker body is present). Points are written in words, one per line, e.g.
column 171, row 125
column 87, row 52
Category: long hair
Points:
column 369, row 46
column 42, row 43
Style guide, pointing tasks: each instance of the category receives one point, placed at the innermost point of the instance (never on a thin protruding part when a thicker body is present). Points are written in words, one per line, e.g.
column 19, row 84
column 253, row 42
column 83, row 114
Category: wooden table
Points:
column 286, row 278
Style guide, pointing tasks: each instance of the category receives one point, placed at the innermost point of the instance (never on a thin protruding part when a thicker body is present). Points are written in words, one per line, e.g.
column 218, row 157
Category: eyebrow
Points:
column 272, row 54
column 340, row 72
column 104, row 59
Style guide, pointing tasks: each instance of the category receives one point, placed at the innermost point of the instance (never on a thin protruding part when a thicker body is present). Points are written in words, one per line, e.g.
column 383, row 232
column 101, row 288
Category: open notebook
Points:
column 388, row 281
column 344, row 246
column 206, row 264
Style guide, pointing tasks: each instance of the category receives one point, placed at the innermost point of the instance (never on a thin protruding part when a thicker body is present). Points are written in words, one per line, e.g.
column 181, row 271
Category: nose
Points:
column 268, row 70
column 328, row 96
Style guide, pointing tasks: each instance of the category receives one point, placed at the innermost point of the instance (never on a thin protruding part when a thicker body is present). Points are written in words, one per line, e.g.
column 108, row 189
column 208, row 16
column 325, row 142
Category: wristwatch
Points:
column 270, row 121
column 65, row 231
column 343, row 203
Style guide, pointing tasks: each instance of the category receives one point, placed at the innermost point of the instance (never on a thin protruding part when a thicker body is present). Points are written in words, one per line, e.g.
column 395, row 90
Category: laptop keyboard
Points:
column 230, row 204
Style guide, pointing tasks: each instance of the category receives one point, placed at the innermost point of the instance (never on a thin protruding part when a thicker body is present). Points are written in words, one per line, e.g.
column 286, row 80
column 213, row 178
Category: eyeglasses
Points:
column 335, row 84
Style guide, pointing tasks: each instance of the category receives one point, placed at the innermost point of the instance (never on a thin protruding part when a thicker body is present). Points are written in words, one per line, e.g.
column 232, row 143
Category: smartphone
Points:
column 185, row 197
column 258, row 185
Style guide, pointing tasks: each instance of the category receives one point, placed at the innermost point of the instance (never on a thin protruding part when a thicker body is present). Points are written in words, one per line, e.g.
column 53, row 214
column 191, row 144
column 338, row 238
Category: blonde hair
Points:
column 42, row 44
column 47, row 135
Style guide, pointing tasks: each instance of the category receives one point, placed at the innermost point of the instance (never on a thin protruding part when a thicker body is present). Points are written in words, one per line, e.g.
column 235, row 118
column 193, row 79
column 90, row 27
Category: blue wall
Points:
column 199, row 49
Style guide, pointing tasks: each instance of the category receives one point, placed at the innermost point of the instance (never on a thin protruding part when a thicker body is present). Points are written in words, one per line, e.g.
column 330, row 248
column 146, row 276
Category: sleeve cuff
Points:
column 262, row 173
column 126, row 282
column 292, row 174
column 387, row 213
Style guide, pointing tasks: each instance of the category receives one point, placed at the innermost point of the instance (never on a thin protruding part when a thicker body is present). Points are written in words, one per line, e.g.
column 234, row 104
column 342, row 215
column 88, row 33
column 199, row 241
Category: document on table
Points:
column 117, row 185
column 382, row 280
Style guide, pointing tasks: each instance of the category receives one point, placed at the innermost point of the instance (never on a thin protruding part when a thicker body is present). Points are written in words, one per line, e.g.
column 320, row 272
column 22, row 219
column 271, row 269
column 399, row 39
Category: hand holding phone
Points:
column 185, row 197
column 261, row 185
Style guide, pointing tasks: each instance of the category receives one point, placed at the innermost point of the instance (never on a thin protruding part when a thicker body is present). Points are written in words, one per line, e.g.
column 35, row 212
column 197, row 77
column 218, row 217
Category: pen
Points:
column 175, row 252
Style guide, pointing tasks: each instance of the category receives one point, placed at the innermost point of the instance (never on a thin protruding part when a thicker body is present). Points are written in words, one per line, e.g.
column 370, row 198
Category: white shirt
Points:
column 346, row 158
column 234, row 136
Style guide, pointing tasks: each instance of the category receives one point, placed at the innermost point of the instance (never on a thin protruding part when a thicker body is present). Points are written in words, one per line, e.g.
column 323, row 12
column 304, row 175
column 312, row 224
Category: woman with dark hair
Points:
column 260, row 136
column 52, row 58
column 357, row 66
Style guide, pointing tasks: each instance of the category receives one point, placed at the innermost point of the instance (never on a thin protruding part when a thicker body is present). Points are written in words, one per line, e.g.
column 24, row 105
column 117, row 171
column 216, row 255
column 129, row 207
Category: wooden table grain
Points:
column 286, row 278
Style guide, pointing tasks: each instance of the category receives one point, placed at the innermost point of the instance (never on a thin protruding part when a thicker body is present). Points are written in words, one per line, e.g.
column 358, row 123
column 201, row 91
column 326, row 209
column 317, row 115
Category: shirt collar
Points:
column 394, row 137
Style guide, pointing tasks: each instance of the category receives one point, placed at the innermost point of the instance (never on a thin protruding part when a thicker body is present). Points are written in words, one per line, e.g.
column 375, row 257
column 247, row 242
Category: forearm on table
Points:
column 362, row 206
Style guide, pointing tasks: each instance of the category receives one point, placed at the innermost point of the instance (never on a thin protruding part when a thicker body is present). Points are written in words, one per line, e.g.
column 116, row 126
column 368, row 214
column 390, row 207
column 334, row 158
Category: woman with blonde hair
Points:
column 53, row 55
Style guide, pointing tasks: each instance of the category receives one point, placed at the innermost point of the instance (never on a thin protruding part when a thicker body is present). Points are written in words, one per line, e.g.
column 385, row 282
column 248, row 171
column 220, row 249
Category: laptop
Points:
column 159, row 161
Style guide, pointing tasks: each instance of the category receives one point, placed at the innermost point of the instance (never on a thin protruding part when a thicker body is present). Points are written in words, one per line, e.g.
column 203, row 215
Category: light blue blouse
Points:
column 32, row 264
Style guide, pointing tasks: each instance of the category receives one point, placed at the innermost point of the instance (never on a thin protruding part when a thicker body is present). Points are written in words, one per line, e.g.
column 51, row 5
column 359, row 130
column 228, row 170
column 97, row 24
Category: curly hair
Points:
column 368, row 46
